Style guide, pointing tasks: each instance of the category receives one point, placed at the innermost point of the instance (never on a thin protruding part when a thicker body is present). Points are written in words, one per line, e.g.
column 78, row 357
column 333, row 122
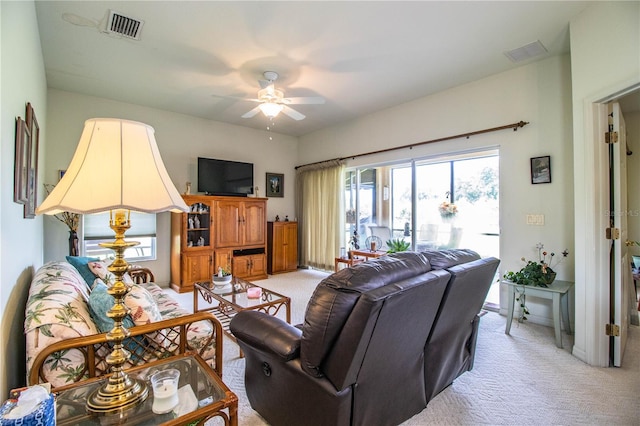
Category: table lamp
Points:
column 116, row 168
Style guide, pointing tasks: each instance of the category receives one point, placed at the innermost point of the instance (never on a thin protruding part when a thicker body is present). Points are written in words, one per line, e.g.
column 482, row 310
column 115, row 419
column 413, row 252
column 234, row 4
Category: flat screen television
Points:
column 223, row 177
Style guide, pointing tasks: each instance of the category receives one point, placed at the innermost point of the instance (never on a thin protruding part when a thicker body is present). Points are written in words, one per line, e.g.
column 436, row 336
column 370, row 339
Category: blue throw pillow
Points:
column 82, row 265
column 100, row 301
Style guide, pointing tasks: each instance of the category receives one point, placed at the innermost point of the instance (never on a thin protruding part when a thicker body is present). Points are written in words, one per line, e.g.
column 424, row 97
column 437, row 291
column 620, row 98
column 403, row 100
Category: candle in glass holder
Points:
column 165, row 390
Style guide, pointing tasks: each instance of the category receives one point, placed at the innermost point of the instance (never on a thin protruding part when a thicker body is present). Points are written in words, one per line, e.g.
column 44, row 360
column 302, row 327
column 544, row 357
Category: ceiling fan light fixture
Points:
column 271, row 109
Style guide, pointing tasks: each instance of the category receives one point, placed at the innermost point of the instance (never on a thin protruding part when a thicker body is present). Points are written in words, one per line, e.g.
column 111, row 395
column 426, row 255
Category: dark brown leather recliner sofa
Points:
column 364, row 353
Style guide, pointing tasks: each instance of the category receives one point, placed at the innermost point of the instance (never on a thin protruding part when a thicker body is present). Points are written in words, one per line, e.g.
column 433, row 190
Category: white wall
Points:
column 605, row 59
column 22, row 80
column 181, row 140
column 538, row 93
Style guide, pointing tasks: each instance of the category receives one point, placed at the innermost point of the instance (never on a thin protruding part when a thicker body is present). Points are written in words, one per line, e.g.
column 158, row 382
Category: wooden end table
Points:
column 368, row 254
column 557, row 292
column 229, row 304
column 212, row 395
column 354, row 259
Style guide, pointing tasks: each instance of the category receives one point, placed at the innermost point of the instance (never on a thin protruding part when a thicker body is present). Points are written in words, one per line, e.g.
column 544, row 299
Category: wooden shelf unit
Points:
column 218, row 232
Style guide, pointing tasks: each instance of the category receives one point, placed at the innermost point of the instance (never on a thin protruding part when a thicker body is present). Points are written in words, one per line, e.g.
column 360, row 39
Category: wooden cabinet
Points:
column 218, row 232
column 248, row 266
column 196, row 267
column 240, row 223
column 282, row 243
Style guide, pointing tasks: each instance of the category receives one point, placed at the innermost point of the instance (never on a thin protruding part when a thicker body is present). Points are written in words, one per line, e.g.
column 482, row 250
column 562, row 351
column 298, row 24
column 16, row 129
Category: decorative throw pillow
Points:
column 82, row 265
column 144, row 309
column 101, row 270
column 99, row 303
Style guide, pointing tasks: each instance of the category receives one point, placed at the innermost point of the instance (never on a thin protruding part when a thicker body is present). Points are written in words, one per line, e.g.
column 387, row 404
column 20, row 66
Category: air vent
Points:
column 127, row 27
column 527, row 51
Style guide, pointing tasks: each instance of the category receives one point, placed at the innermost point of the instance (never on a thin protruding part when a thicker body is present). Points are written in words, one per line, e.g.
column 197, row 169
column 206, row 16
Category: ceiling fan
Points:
column 272, row 100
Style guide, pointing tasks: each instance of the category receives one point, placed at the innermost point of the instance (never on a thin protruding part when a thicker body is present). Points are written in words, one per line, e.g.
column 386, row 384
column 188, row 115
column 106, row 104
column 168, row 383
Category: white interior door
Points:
column 620, row 274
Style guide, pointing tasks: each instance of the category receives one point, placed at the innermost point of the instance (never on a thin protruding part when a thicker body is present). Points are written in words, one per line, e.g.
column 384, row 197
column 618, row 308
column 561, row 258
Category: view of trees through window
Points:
column 431, row 203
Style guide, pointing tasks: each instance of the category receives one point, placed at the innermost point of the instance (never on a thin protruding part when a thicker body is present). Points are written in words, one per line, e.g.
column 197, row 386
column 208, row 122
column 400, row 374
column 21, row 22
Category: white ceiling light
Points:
column 271, row 109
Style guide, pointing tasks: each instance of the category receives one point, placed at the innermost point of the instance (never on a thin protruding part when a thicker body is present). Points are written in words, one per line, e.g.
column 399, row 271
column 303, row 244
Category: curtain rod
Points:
column 514, row 126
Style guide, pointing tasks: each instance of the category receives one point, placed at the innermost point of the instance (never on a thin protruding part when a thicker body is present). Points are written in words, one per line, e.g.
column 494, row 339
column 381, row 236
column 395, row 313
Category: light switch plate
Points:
column 535, row 219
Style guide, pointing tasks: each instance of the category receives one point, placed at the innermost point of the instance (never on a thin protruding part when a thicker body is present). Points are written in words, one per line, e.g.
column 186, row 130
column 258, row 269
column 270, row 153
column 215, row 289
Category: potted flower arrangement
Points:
column 447, row 210
column 222, row 280
column 223, row 275
column 537, row 274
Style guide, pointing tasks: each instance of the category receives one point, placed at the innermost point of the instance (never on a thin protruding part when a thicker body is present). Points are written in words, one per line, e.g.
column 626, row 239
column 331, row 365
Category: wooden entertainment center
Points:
column 228, row 232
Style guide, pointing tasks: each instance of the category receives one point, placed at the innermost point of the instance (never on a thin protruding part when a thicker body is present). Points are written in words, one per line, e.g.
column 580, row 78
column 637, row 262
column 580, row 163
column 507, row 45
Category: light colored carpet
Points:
column 519, row 379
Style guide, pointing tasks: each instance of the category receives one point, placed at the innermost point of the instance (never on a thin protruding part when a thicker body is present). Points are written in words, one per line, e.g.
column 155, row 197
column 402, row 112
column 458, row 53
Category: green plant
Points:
column 397, row 245
column 223, row 271
column 534, row 274
column 539, row 273
column 522, row 299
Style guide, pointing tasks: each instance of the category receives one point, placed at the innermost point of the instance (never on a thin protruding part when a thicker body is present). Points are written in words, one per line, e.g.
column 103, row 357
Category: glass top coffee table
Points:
column 239, row 298
column 202, row 396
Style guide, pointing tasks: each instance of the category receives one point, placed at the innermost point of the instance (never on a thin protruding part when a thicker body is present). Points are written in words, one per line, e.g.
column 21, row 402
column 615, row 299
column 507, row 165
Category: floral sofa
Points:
column 66, row 323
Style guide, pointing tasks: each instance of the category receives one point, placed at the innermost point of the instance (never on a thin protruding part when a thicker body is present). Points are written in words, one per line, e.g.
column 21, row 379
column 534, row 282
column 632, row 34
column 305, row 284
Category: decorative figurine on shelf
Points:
column 257, row 191
column 196, row 221
column 188, row 190
column 201, row 242
column 190, row 223
column 286, row 218
column 277, row 218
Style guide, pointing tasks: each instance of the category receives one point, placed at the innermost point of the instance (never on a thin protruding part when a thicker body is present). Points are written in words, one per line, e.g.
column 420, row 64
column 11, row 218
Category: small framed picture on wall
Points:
column 541, row 169
column 275, row 185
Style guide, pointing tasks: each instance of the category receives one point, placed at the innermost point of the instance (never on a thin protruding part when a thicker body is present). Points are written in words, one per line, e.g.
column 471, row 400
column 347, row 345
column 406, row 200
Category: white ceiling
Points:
column 198, row 57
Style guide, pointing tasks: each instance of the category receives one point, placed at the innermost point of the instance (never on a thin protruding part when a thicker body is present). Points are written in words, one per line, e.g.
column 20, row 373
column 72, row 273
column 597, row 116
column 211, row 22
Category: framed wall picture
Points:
column 541, row 169
column 275, row 185
column 23, row 140
column 32, row 167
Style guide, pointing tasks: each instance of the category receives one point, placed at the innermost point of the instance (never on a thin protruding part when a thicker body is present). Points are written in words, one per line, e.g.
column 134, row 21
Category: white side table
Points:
column 558, row 292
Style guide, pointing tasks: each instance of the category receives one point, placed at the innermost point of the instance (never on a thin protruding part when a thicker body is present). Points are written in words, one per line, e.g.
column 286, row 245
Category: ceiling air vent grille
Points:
column 527, row 51
column 120, row 24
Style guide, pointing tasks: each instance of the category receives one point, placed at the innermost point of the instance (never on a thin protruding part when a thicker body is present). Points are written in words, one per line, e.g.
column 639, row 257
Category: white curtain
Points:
column 319, row 199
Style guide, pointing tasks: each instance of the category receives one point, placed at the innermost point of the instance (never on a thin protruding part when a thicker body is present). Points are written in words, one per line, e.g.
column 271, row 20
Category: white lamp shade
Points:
column 116, row 165
column 271, row 109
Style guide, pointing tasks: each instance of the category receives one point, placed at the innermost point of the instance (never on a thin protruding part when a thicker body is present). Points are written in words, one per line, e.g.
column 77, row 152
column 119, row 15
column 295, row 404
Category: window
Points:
column 143, row 230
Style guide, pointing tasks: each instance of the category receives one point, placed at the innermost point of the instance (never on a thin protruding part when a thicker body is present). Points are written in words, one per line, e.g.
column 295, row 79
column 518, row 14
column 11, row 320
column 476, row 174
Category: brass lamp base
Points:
column 109, row 397
column 120, row 391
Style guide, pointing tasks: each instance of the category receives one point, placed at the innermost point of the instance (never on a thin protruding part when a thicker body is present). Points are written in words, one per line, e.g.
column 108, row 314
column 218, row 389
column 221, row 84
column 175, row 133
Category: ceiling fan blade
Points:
column 236, row 98
column 252, row 113
column 317, row 100
column 292, row 113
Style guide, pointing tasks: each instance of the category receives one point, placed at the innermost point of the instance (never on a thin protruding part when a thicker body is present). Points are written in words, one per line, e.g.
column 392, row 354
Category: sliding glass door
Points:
column 434, row 203
column 457, row 205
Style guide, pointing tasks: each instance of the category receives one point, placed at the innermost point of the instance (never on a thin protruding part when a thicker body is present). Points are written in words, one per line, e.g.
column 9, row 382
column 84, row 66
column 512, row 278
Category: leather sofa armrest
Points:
column 267, row 333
